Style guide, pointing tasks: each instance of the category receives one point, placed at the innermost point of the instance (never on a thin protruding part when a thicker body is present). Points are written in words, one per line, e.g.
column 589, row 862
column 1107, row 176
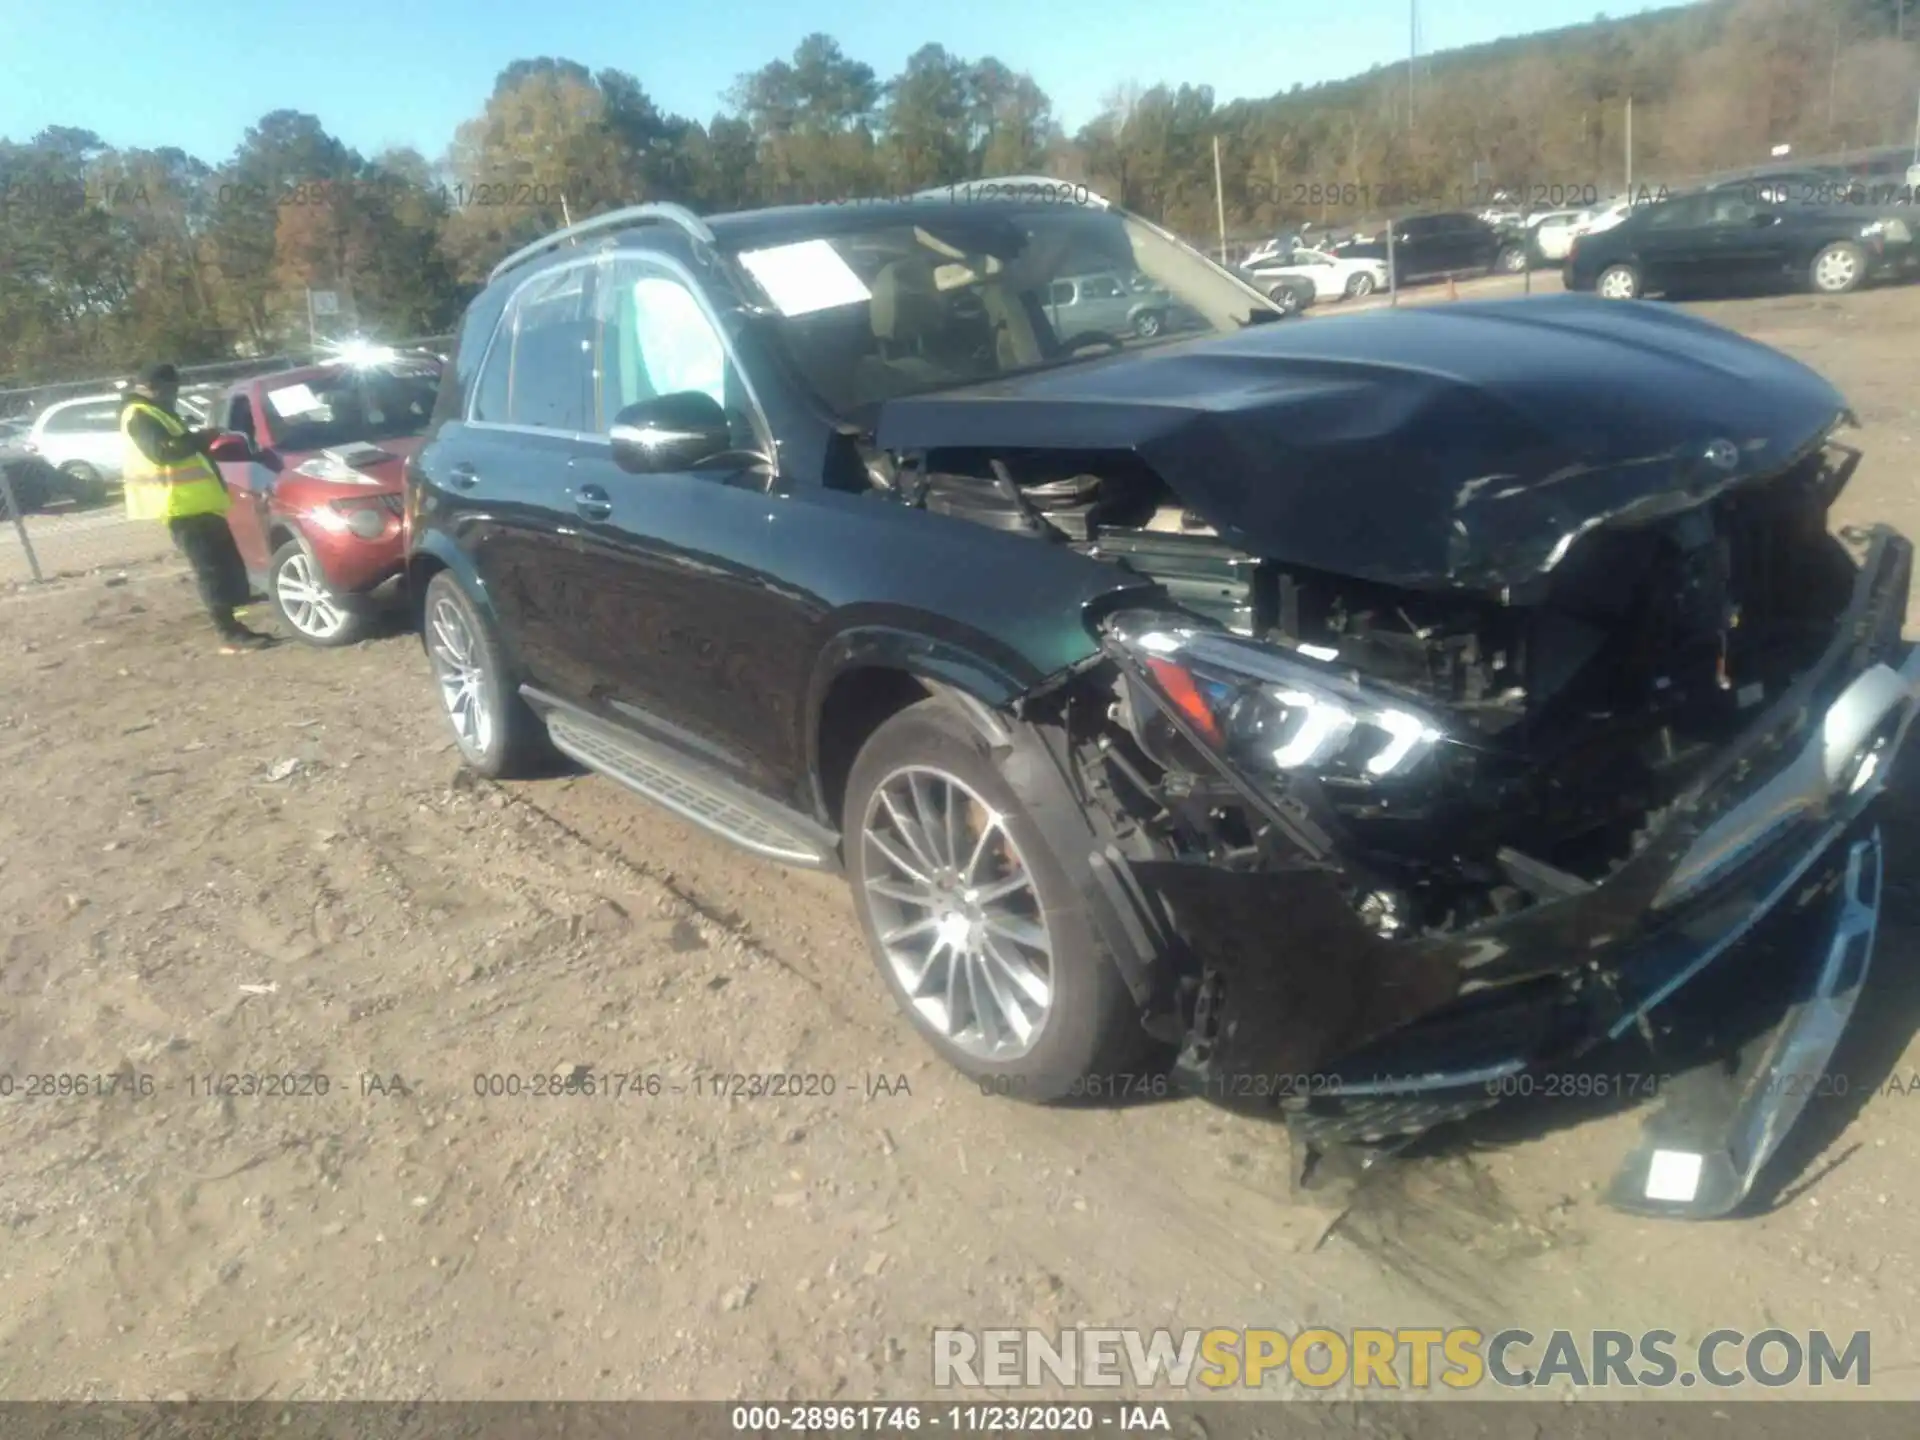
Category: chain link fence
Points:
column 57, row 521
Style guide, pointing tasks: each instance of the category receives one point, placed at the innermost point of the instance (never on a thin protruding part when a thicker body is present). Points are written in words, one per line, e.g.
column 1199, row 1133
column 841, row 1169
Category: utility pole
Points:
column 313, row 339
column 1220, row 199
column 1629, row 148
column 1833, row 77
column 1413, row 49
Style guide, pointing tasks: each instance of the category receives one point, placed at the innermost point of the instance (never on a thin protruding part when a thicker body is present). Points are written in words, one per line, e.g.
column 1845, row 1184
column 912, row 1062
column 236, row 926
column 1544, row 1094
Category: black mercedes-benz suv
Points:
column 1357, row 716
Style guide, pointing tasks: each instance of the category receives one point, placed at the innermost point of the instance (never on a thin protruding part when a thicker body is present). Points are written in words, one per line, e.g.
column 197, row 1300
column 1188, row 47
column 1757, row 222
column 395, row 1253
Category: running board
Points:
column 690, row 791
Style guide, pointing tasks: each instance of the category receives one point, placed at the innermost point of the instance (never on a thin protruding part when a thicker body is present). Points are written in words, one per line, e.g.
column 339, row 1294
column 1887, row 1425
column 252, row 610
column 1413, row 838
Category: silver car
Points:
column 81, row 437
column 1107, row 303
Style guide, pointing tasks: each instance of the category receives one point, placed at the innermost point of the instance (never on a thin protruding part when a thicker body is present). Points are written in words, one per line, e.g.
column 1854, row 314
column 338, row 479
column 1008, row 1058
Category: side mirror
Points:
column 668, row 433
column 231, row 448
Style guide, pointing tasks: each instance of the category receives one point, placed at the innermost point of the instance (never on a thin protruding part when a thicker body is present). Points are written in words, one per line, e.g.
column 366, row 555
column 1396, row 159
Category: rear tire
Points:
column 306, row 603
column 497, row 732
column 1360, row 286
column 1839, row 268
column 1510, row 261
column 1286, row 299
column 1147, row 324
column 933, row 831
column 86, row 485
column 1618, row 282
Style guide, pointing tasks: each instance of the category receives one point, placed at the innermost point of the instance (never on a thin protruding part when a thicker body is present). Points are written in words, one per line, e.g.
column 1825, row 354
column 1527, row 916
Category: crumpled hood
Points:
column 1439, row 446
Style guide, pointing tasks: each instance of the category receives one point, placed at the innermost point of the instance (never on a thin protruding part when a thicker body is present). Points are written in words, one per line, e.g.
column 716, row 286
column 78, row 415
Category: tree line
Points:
column 114, row 255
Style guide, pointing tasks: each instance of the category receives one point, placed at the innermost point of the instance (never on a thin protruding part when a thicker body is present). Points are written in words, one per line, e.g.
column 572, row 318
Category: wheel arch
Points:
column 433, row 553
column 868, row 675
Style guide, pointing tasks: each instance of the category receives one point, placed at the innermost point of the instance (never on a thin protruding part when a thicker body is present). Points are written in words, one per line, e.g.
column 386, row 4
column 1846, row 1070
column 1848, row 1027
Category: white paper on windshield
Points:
column 293, row 400
column 806, row 277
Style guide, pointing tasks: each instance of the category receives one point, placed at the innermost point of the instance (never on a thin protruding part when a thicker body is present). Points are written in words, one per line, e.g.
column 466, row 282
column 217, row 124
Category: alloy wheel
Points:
column 305, row 599
column 461, row 676
column 957, row 913
column 1836, row 270
column 1362, row 285
column 1618, row 284
column 1146, row 325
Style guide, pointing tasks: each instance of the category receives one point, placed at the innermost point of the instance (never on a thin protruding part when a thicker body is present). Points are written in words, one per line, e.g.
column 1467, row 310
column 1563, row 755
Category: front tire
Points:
column 306, row 603
column 973, row 921
column 497, row 733
column 1510, row 261
column 1618, row 282
column 1360, row 286
column 1286, row 299
column 1838, row 268
column 1147, row 324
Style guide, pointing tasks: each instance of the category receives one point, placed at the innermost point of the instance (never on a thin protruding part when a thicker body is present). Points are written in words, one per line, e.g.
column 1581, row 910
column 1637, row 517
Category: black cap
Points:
column 161, row 374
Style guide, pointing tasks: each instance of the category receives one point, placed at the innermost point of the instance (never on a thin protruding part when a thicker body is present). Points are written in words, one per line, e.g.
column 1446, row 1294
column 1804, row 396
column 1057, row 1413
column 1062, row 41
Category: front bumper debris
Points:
column 1718, row 1125
column 1364, row 1040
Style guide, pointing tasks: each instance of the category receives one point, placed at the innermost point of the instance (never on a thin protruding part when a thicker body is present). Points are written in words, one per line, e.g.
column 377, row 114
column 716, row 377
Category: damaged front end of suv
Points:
column 1488, row 710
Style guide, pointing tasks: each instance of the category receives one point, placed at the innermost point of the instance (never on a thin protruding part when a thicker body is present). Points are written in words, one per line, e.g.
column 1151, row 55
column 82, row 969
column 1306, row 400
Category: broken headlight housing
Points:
column 1273, row 712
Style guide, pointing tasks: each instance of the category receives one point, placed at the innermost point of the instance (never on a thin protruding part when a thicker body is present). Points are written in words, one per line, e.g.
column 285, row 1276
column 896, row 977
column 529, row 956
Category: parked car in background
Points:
column 313, row 460
column 1199, row 702
column 1333, row 277
column 1108, row 303
column 1722, row 240
column 1551, row 233
column 80, row 438
column 1431, row 247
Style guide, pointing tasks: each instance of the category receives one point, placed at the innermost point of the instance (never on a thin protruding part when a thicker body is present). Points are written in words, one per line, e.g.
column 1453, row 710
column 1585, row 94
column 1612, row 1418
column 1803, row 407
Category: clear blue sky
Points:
column 381, row 72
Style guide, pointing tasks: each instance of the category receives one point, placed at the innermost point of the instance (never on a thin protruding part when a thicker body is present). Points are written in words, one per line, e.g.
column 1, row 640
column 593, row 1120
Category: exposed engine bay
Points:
column 1562, row 717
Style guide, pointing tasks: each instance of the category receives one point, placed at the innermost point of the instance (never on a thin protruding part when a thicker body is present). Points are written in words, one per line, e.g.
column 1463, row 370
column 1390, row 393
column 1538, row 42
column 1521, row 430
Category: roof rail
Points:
column 678, row 215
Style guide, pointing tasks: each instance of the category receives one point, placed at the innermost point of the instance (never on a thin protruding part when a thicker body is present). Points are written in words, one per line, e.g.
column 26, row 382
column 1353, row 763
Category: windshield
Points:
column 346, row 406
column 969, row 293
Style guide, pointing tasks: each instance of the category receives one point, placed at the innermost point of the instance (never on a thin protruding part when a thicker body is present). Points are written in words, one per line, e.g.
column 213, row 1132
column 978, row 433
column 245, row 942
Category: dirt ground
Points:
column 272, row 864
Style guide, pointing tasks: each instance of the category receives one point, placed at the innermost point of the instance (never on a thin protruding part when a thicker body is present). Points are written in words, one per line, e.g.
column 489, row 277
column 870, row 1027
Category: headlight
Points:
column 1267, row 711
column 369, row 522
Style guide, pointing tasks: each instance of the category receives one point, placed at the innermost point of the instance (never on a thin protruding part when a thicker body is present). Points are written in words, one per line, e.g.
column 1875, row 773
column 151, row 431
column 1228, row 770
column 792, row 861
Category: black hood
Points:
column 1448, row 445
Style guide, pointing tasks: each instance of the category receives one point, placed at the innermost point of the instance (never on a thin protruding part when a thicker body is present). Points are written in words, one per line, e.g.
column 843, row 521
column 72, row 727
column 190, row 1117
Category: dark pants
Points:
column 217, row 566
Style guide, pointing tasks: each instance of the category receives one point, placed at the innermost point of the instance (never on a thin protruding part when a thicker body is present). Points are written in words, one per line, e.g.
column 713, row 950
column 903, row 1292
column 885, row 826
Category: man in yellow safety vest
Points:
column 169, row 477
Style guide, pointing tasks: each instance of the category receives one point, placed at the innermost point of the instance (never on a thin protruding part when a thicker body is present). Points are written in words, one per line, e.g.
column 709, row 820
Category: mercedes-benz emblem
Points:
column 1722, row 454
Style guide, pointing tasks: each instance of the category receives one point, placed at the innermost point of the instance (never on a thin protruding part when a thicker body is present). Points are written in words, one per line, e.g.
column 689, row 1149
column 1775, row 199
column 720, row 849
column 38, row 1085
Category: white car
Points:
column 81, row 437
column 1334, row 277
column 1553, row 232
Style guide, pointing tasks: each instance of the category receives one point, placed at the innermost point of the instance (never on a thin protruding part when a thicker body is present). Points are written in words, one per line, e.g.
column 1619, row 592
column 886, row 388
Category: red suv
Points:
column 313, row 459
